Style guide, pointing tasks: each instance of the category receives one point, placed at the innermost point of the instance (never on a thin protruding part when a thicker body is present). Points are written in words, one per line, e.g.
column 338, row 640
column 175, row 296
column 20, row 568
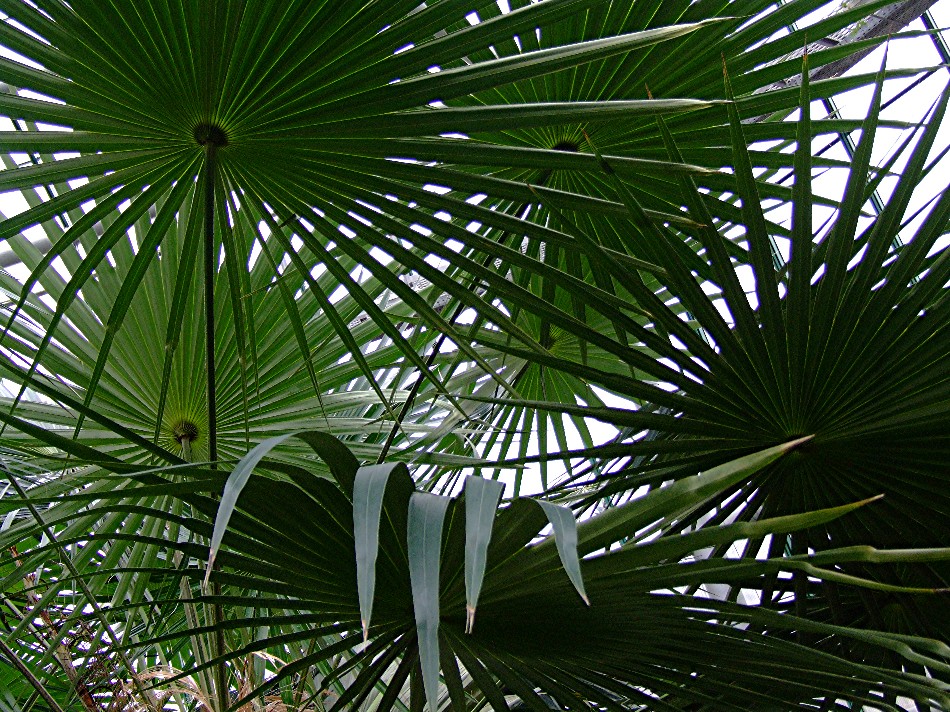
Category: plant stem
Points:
column 221, row 678
column 209, row 263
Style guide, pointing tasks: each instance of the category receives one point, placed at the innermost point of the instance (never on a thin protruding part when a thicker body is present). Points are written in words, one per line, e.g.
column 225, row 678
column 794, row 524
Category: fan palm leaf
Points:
column 296, row 131
column 288, row 566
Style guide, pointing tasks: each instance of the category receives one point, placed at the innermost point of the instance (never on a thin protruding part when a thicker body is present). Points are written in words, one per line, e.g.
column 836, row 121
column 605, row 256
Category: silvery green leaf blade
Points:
column 424, row 537
column 481, row 501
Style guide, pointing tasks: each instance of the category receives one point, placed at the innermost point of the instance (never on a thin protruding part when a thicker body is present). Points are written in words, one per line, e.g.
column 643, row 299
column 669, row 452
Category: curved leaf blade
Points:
column 232, row 490
column 565, row 537
column 424, row 538
column 368, row 490
column 481, row 501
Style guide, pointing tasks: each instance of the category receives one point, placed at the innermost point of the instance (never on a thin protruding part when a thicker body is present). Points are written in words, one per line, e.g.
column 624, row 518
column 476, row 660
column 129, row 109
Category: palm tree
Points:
column 410, row 234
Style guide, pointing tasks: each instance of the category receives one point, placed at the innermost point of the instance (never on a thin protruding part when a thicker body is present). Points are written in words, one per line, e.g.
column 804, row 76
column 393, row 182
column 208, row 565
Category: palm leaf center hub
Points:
column 185, row 430
column 566, row 145
column 210, row 134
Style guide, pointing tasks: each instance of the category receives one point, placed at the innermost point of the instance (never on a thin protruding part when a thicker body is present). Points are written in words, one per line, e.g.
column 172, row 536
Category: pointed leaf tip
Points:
column 210, row 566
column 424, row 539
column 792, row 444
column 565, row 538
column 481, row 501
column 369, row 488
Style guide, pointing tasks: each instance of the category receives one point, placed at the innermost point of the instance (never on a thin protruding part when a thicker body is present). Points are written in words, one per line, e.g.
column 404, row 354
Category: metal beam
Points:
column 886, row 21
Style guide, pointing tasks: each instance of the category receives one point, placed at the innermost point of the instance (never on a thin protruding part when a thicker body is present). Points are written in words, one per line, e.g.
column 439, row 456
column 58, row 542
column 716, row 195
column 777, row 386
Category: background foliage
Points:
column 465, row 237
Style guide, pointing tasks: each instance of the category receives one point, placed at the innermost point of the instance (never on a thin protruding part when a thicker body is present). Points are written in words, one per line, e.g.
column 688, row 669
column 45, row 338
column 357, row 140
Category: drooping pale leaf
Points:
column 424, row 539
column 232, row 490
column 341, row 462
column 481, row 501
column 565, row 537
column 368, row 490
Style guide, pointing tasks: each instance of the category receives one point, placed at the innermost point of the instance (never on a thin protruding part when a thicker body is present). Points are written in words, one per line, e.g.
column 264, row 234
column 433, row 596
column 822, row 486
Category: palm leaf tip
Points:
column 469, row 619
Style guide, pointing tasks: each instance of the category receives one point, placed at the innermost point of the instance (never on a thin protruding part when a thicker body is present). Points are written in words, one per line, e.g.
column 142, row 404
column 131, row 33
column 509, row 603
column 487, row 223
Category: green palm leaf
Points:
column 427, row 231
column 289, row 549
